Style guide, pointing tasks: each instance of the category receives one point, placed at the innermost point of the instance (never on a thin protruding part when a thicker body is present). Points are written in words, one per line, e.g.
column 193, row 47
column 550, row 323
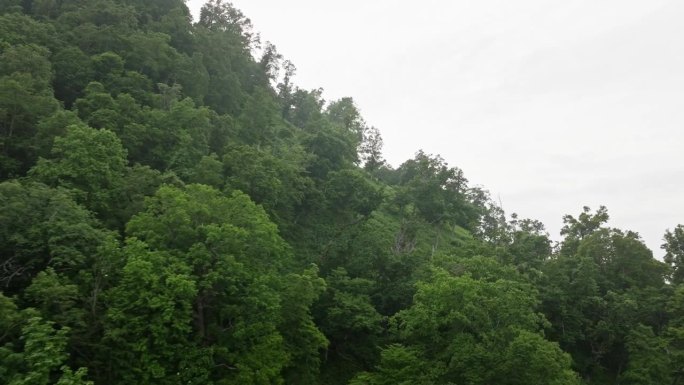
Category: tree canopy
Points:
column 174, row 209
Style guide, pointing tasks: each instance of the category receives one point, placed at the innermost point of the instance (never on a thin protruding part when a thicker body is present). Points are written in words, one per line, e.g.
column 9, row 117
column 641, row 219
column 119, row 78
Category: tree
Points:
column 273, row 177
column 237, row 261
column 175, row 210
column 42, row 227
column 345, row 114
column 675, row 335
column 480, row 328
column 437, row 191
column 674, row 253
column 21, row 29
column 348, row 319
column 648, row 360
column 209, row 171
column 303, row 340
column 259, row 121
column 31, row 60
column 531, row 245
column 332, row 149
column 370, row 149
column 595, row 292
column 91, row 162
column 400, row 365
column 575, row 229
column 530, row 359
column 13, row 6
column 148, row 328
column 25, row 98
column 73, row 71
column 57, row 298
column 42, row 354
column 150, row 54
column 219, row 16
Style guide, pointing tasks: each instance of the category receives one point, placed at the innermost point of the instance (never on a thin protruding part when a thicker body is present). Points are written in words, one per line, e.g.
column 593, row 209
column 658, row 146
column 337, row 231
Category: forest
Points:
column 175, row 210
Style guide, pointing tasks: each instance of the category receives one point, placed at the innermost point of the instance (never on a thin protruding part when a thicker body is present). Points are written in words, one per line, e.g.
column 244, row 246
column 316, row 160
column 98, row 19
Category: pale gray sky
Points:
column 549, row 104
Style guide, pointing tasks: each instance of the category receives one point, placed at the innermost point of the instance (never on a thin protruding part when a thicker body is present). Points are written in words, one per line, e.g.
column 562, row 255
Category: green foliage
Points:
column 675, row 334
column 51, row 127
column 649, row 363
column 542, row 362
column 271, row 177
column 400, row 366
column 91, row 162
column 234, row 253
column 602, row 285
column 346, row 115
column 42, row 227
column 674, row 253
column 10, row 319
column 179, row 219
column 333, row 149
column 150, row 54
column 172, row 210
column 437, row 192
column 480, row 328
column 21, row 29
column 25, row 98
column 576, row 229
column 149, row 319
column 209, row 171
column 466, row 305
column 42, row 353
column 56, row 298
column 259, row 121
column 70, row 377
column 302, row 338
column 351, row 190
column 11, row 6
column 346, row 315
column 31, row 60
column 73, row 71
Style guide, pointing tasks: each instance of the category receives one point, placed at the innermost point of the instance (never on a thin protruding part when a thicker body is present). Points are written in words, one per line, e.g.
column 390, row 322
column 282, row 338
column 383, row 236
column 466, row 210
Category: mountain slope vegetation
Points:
column 175, row 210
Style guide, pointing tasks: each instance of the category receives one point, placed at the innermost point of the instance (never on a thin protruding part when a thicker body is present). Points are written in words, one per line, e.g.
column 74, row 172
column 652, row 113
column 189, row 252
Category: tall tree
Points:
column 674, row 253
column 88, row 161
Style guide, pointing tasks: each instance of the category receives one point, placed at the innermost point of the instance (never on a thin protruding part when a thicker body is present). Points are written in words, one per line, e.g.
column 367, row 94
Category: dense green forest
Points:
column 174, row 210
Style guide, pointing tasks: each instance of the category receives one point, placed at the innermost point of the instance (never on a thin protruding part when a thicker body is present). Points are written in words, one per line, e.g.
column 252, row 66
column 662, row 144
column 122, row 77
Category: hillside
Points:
column 175, row 210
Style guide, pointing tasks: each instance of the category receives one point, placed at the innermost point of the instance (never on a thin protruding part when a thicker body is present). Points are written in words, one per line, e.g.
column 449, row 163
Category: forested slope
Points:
column 175, row 211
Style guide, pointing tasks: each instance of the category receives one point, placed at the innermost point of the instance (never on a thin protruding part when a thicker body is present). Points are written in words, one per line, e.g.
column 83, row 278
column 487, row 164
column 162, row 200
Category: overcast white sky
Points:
column 549, row 104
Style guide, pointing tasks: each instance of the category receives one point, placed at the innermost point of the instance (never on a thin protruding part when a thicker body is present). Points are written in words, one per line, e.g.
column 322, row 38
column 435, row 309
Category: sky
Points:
column 550, row 105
